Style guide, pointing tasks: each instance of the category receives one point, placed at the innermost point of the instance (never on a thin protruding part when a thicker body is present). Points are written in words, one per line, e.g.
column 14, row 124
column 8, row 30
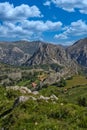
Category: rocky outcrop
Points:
column 53, row 56
column 78, row 52
column 22, row 89
column 17, row 53
column 48, row 54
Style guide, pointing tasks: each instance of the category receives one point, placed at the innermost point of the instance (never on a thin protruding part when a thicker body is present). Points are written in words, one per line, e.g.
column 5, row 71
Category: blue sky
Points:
column 56, row 21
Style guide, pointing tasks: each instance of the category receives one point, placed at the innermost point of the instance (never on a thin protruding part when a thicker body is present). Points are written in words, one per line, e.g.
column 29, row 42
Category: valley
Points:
column 43, row 65
column 43, row 86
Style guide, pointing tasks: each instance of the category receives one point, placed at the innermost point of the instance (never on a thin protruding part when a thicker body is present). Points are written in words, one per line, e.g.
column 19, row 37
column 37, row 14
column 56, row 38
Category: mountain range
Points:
column 39, row 53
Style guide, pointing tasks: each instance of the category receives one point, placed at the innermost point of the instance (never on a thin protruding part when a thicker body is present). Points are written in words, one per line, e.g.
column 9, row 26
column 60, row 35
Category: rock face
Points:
column 17, row 53
column 78, row 52
column 55, row 56
column 48, row 54
column 40, row 53
column 33, row 53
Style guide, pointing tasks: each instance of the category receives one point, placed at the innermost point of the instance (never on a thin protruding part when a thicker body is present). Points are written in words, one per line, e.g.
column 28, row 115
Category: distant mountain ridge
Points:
column 38, row 53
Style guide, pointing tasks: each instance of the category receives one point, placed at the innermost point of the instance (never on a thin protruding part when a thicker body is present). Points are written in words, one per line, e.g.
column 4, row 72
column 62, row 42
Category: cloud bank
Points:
column 69, row 5
column 78, row 28
column 16, row 23
column 10, row 13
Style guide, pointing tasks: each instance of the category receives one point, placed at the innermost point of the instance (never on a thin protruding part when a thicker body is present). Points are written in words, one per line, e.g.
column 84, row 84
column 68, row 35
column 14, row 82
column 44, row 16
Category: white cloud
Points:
column 12, row 17
column 71, row 5
column 10, row 13
column 15, row 22
column 27, row 29
column 47, row 3
column 76, row 29
column 40, row 26
column 53, row 25
column 60, row 36
column 10, row 30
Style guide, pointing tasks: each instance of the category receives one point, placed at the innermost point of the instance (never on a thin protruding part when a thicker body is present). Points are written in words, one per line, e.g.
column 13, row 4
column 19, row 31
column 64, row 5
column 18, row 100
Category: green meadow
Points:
column 69, row 112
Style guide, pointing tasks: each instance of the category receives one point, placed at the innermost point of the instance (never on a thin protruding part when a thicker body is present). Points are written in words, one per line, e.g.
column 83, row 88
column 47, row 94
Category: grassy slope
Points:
column 64, row 114
column 77, row 80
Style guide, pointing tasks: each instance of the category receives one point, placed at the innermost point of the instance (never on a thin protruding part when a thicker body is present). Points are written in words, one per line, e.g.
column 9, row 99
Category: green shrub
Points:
column 82, row 101
column 70, row 78
column 61, row 83
column 12, row 94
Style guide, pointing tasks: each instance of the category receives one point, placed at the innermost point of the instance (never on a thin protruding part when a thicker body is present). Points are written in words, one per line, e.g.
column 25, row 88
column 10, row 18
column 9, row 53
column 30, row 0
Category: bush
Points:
column 70, row 78
column 12, row 94
column 61, row 83
column 82, row 101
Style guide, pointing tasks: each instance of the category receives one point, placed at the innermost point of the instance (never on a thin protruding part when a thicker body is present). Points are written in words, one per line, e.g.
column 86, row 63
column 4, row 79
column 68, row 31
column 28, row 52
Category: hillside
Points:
column 38, row 53
column 48, row 54
column 52, row 108
column 44, row 92
column 30, row 53
column 16, row 53
column 43, row 64
column 78, row 52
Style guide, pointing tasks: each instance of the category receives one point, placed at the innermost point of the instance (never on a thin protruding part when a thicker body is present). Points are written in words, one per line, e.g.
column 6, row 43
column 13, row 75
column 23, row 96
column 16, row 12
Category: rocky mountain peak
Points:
column 78, row 52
